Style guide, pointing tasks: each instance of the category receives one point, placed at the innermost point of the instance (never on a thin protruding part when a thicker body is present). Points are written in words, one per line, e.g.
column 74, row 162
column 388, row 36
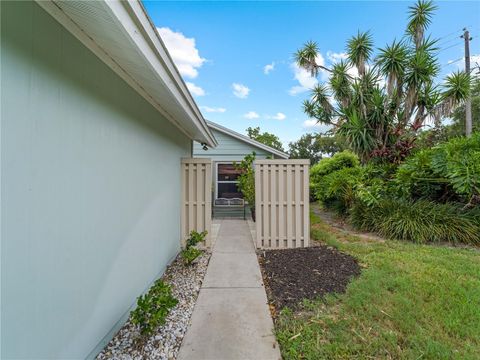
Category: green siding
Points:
column 228, row 149
column 90, row 210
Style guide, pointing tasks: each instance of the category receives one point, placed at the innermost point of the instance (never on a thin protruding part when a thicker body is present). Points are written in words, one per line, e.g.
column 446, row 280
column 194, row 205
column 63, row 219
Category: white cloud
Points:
column 213, row 109
column 251, row 115
column 194, row 89
column 311, row 123
column 240, row 90
column 336, row 57
column 277, row 116
column 183, row 51
column 474, row 60
column 304, row 77
column 268, row 68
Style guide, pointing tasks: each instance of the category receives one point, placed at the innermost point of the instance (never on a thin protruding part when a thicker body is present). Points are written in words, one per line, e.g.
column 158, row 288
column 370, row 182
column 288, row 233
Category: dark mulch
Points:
column 292, row 275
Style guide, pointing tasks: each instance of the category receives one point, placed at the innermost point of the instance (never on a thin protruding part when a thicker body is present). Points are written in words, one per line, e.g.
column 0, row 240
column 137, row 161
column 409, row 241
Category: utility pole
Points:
column 468, row 103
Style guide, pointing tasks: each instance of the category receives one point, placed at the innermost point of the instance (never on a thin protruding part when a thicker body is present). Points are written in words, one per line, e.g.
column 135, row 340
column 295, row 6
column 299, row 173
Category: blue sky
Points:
column 222, row 48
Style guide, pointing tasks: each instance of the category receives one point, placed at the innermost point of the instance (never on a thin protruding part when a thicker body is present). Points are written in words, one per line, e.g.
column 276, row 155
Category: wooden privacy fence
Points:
column 196, row 197
column 282, row 203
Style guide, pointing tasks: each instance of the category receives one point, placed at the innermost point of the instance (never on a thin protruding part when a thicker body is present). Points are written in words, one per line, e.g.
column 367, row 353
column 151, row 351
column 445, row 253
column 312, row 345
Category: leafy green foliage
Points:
column 326, row 166
column 380, row 111
column 196, row 237
column 265, row 138
column 419, row 221
column 190, row 253
column 337, row 189
column 449, row 170
column 314, row 147
column 344, row 159
column 246, row 181
column 432, row 197
column 153, row 307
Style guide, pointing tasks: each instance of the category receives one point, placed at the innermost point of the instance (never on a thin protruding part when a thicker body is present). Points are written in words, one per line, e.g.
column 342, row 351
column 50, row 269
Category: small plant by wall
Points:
column 190, row 253
column 153, row 308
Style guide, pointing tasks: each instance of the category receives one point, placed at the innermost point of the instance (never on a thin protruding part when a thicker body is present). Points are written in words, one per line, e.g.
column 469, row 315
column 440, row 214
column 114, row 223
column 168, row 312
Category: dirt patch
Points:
column 292, row 275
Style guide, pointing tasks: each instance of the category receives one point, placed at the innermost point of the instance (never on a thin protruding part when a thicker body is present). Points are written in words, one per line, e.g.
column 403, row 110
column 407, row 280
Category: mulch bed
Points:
column 292, row 275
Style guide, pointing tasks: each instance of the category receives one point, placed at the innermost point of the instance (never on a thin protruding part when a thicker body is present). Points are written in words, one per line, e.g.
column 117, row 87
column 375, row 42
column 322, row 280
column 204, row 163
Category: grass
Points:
column 411, row 301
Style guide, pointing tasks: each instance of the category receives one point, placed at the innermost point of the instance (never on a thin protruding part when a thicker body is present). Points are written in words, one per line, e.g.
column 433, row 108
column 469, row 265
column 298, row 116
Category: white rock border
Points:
column 165, row 343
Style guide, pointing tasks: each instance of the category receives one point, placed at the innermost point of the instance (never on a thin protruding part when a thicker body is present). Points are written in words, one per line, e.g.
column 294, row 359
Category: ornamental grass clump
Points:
column 419, row 221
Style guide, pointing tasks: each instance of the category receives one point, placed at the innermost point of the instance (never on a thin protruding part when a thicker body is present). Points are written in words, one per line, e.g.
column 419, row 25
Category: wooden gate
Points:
column 282, row 203
column 196, row 197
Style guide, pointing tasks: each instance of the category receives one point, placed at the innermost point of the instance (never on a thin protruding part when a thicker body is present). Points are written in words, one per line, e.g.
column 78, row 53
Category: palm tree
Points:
column 380, row 109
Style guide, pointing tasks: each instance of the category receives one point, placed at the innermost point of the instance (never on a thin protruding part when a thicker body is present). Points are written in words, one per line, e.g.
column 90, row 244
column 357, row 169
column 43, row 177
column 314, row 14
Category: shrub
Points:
column 344, row 159
column 341, row 160
column 190, row 254
column 337, row 189
column 196, row 237
column 419, row 221
column 246, row 181
column 447, row 172
column 153, row 307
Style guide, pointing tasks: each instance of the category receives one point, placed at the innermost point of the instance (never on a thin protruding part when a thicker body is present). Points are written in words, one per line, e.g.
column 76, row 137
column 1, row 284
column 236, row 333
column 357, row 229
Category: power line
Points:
column 447, row 42
column 448, row 47
column 456, row 32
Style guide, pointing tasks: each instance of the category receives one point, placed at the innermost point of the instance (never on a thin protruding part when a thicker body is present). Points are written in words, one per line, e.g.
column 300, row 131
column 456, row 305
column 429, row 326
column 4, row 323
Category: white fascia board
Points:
column 247, row 140
column 144, row 34
column 134, row 28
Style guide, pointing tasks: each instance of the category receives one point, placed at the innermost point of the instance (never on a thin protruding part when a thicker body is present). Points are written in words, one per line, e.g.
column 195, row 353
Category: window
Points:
column 227, row 181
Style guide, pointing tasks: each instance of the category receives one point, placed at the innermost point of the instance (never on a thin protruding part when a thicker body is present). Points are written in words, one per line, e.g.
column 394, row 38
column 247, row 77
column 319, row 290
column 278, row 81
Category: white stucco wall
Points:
column 90, row 191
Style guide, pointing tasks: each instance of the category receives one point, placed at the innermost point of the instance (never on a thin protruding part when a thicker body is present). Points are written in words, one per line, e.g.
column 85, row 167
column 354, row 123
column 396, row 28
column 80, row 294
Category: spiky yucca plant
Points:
column 380, row 103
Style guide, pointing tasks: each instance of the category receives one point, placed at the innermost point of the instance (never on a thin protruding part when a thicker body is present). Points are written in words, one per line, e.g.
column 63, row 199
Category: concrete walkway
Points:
column 231, row 319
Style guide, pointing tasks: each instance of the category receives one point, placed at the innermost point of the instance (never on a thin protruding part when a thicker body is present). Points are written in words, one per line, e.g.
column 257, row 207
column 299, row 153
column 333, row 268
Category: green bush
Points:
column 246, row 181
column 337, row 189
column 420, row 221
column 344, row 159
column 326, row 166
column 153, row 307
column 196, row 237
column 190, row 253
column 447, row 172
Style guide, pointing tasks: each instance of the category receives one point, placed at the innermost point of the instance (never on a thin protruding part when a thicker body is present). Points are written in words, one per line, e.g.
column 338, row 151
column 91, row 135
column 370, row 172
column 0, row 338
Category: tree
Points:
column 458, row 126
column 314, row 146
column 382, row 102
column 265, row 138
column 246, row 181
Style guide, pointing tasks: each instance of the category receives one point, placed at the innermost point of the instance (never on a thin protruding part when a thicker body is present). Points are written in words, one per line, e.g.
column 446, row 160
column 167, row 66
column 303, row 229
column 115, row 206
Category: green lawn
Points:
column 410, row 302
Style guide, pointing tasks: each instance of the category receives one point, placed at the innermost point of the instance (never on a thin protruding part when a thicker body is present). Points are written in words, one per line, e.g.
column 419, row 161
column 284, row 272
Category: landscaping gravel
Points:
column 165, row 343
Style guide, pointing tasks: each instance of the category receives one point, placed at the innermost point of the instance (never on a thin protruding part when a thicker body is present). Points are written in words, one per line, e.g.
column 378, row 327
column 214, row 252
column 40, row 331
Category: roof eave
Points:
column 246, row 139
column 137, row 29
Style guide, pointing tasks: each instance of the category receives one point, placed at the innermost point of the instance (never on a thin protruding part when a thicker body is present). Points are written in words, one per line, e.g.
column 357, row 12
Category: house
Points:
column 95, row 119
column 232, row 147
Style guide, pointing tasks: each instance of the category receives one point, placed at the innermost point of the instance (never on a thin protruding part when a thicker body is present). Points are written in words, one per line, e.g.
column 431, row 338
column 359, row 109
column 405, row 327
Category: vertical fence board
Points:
column 258, row 208
column 282, row 199
column 265, row 219
column 196, row 197
column 273, row 207
column 281, row 204
column 306, row 204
